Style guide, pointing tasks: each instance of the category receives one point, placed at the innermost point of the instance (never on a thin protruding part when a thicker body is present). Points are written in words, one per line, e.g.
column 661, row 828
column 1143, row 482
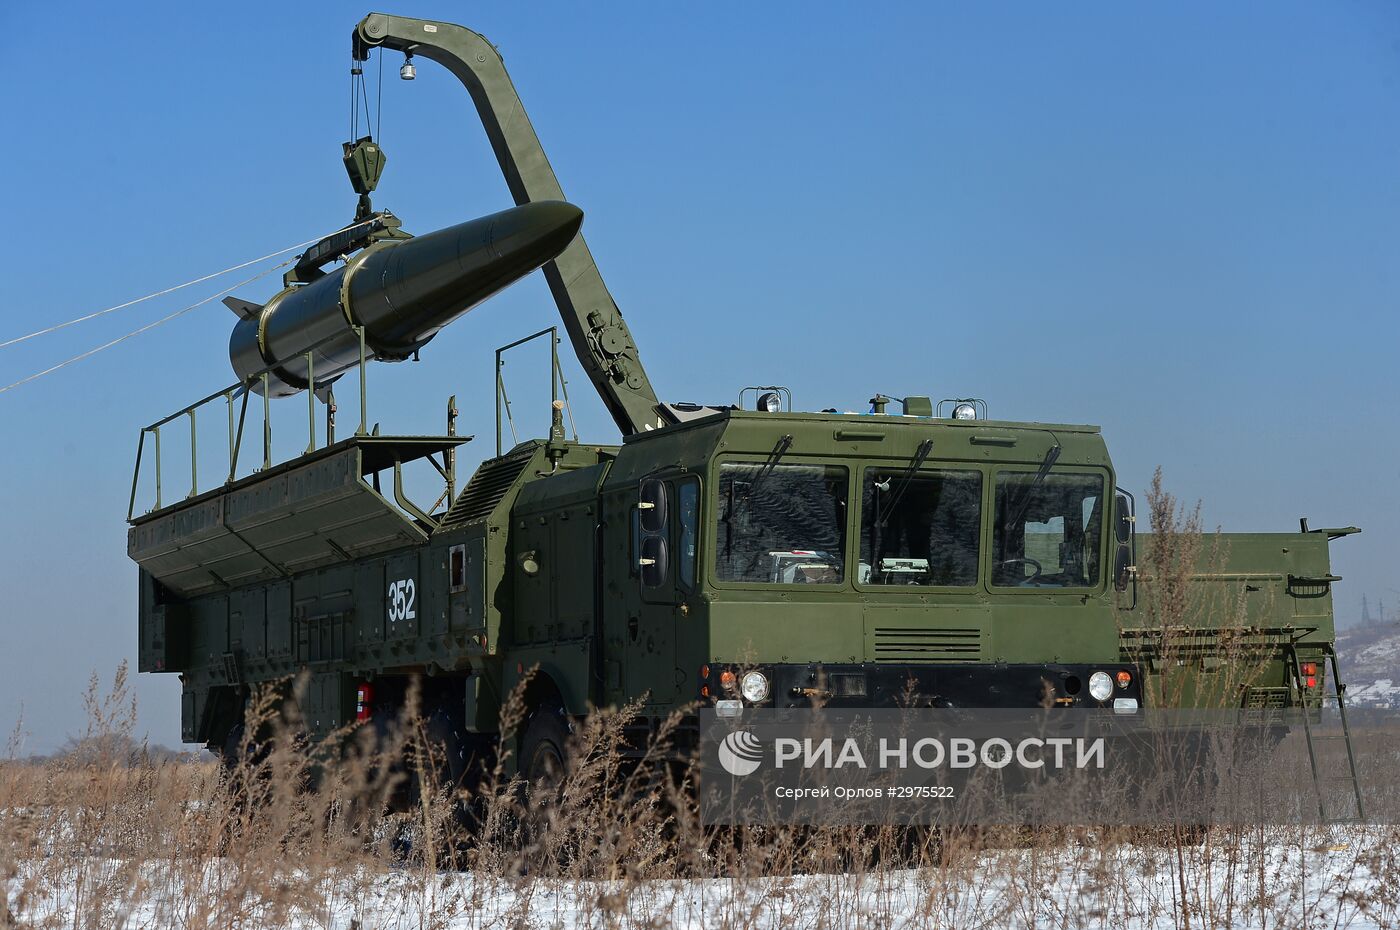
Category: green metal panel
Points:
column 370, row 619
column 315, row 510
column 327, row 703
column 248, row 622
column 1252, row 597
column 1261, row 581
column 566, row 663
column 279, row 620
column 401, row 602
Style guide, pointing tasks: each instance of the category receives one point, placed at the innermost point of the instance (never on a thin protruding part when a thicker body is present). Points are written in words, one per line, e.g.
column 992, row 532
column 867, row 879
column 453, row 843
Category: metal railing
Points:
column 557, row 384
column 236, row 425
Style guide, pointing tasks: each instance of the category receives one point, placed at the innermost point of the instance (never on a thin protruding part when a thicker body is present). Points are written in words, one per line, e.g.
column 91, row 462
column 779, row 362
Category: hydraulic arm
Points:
column 599, row 335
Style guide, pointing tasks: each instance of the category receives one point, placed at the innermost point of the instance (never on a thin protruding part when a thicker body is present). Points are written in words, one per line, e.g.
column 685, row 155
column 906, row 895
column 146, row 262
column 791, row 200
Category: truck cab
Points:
column 851, row 559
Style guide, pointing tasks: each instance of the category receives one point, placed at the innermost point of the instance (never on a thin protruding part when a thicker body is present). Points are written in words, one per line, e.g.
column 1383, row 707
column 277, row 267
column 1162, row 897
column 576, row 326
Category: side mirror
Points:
column 652, row 502
column 654, row 561
column 1122, row 568
column 1125, row 554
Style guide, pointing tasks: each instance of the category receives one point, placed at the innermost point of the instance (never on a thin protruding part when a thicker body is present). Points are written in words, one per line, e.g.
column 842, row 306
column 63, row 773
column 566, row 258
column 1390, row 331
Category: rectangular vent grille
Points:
column 1267, row 698
column 481, row 495
column 924, row 645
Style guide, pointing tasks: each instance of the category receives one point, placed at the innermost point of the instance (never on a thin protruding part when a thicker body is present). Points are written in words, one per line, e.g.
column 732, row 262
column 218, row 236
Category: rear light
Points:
column 1309, row 670
column 1124, row 679
column 364, row 702
column 1312, row 681
column 727, row 680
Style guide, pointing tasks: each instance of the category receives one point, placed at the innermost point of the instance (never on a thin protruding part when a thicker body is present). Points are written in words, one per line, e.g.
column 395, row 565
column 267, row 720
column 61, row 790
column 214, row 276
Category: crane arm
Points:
column 595, row 326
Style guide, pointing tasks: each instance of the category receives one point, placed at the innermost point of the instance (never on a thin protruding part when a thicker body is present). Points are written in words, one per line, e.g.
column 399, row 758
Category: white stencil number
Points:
column 401, row 597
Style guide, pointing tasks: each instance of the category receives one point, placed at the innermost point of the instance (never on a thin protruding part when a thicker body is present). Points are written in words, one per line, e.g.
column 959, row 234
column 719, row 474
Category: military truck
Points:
column 726, row 556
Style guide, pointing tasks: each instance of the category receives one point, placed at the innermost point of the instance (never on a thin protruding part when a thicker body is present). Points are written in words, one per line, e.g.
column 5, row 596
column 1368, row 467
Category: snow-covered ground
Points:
column 1383, row 692
column 1341, row 878
column 1370, row 662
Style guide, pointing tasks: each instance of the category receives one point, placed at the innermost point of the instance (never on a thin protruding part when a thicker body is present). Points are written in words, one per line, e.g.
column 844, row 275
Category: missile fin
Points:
column 244, row 308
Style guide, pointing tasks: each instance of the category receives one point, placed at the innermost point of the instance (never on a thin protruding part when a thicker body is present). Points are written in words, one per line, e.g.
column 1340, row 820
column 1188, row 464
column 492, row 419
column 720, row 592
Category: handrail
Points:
column 557, row 384
column 236, row 433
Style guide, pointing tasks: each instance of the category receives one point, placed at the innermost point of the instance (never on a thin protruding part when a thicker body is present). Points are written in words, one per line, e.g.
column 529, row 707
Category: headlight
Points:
column 754, row 687
column 1100, row 686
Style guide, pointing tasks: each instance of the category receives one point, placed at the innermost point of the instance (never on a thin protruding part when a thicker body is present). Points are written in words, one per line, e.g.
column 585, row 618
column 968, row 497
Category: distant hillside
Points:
column 1370, row 663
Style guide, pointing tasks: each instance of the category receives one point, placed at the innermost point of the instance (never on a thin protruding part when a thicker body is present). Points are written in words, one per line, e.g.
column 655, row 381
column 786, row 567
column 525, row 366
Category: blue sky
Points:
column 1177, row 222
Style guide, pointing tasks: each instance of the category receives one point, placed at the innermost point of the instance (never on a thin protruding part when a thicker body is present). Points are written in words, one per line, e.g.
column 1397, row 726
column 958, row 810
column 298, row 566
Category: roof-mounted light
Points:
column 768, row 398
column 962, row 408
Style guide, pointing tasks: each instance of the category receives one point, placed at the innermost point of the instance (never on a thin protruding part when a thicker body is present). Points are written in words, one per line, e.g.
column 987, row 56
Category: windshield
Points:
column 923, row 530
column 1047, row 535
column 784, row 524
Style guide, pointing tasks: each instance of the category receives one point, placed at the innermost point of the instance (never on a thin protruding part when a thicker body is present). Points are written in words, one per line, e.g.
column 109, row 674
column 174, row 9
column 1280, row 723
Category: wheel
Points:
column 232, row 748
column 544, row 749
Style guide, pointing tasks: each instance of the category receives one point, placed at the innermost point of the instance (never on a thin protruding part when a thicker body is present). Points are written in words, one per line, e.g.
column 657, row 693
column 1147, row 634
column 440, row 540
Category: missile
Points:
column 400, row 291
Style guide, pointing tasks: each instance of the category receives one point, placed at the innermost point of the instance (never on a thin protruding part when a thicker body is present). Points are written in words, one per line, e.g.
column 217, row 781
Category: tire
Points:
column 232, row 749
column 544, row 750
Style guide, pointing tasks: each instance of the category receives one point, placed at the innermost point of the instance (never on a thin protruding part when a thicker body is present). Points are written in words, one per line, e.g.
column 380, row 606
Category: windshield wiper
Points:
column 882, row 513
column 1051, row 458
column 920, row 457
column 780, row 449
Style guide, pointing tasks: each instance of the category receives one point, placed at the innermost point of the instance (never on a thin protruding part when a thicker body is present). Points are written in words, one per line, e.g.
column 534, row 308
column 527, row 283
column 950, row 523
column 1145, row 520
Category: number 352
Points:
column 401, row 596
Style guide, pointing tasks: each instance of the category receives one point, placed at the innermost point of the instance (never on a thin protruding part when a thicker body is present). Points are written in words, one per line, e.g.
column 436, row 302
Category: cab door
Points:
column 666, row 530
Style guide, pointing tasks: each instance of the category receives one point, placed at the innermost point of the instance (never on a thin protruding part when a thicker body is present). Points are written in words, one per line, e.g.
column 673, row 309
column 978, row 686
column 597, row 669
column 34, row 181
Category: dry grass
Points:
column 126, row 840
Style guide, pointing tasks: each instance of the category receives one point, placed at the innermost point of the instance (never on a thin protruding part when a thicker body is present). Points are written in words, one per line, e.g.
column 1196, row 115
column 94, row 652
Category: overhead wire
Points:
column 358, row 93
column 169, row 290
column 149, row 326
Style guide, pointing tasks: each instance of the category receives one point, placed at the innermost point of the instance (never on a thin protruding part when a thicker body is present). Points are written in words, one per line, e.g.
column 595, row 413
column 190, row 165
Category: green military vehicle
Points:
column 726, row 557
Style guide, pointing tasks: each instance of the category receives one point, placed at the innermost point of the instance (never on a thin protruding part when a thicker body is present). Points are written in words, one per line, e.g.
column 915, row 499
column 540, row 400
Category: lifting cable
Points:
column 149, row 326
column 359, row 94
column 170, row 290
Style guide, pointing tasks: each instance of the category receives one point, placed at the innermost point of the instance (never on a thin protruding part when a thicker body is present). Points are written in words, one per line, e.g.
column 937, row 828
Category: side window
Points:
column 457, row 569
column 688, row 507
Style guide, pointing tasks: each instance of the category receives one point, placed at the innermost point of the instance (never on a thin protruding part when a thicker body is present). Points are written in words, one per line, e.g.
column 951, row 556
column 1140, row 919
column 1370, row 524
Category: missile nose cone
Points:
column 547, row 226
column 427, row 282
